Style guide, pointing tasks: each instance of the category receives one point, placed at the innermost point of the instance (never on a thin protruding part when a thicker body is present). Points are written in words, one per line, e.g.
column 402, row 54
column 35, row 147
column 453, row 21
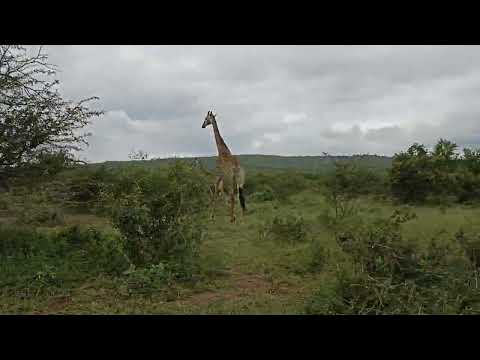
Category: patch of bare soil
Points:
column 59, row 303
column 5, row 218
column 242, row 285
column 55, row 305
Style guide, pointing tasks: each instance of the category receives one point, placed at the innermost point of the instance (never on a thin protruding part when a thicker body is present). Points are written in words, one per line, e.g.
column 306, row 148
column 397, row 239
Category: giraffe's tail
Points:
column 241, row 197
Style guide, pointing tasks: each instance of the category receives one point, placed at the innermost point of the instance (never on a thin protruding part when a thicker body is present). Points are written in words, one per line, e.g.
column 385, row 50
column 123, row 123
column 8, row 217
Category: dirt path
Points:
column 242, row 285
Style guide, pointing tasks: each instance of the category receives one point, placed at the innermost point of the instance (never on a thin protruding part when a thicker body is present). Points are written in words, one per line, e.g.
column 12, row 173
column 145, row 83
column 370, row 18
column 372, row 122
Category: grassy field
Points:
column 242, row 270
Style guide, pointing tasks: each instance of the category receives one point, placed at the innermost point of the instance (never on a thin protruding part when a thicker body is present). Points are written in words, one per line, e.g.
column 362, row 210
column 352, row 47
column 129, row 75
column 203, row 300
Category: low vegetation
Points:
column 139, row 239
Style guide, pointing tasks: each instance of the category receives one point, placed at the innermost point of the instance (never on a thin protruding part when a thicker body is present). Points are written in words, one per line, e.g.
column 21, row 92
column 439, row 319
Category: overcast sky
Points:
column 284, row 100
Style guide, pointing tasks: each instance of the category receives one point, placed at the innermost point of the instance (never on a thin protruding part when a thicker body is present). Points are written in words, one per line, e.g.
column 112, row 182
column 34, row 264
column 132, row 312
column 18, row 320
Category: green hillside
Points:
column 311, row 164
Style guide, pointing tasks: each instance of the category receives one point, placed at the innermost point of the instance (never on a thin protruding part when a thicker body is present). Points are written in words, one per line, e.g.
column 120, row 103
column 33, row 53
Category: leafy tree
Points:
column 411, row 175
column 35, row 121
column 471, row 159
column 417, row 150
column 417, row 173
column 445, row 150
column 138, row 155
column 444, row 163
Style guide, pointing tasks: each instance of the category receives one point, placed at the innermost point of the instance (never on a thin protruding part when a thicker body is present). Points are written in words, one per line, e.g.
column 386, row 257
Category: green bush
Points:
column 29, row 261
column 289, row 229
column 43, row 215
column 288, row 184
column 81, row 188
column 342, row 190
column 351, row 180
column 319, row 255
column 378, row 247
column 362, row 294
column 437, row 176
column 267, row 194
column 99, row 252
column 44, row 281
column 81, row 250
column 151, row 240
column 4, row 204
column 468, row 186
column 146, row 280
column 276, row 186
column 164, row 225
column 470, row 243
column 393, row 276
column 17, row 241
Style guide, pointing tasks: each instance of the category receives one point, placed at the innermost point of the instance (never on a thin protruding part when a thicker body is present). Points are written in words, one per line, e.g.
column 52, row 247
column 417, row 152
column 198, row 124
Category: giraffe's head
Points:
column 209, row 119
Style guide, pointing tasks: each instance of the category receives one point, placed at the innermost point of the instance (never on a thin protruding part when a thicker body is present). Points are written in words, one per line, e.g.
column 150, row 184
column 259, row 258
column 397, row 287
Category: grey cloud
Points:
column 287, row 100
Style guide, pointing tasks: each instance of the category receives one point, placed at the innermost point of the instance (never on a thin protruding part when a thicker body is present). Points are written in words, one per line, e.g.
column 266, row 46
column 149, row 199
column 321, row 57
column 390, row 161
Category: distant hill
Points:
column 257, row 163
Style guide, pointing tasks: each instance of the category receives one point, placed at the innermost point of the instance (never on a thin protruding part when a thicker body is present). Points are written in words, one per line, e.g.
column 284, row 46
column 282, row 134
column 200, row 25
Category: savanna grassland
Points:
column 363, row 234
column 137, row 239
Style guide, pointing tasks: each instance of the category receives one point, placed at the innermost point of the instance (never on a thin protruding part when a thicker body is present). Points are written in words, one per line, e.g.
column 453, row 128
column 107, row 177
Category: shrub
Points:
column 342, row 190
column 44, row 280
column 42, row 215
column 151, row 240
column 165, row 226
column 277, row 186
column 83, row 188
column 18, row 241
column 3, row 203
column 468, row 186
column 288, row 184
column 392, row 276
column 411, row 174
column 28, row 261
column 418, row 175
column 41, row 279
column 362, row 294
column 290, row 229
column 378, row 247
column 146, row 280
column 319, row 256
column 85, row 250
column 99, row 252
column 351, row 180
column 470, row 243
column 267, row 194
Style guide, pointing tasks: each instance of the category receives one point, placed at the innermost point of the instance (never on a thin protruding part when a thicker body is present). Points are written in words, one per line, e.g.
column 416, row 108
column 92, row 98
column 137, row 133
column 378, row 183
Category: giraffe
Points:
column 231, row 176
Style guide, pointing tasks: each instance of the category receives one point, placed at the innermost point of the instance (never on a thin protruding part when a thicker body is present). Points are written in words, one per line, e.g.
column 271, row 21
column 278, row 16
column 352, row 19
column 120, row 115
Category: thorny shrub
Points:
column 290, row 229
column 391, row 275
column 164, row 224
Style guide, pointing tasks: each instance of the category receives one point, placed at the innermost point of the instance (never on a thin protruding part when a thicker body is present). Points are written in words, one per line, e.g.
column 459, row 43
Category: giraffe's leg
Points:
column 213, row 201
column 216, row 192
column 232, row 204
column 214, row 206
column 241, row 198
column 234, row 192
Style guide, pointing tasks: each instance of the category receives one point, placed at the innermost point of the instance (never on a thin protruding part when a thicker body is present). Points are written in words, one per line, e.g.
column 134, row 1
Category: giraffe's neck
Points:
column 222, row 148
